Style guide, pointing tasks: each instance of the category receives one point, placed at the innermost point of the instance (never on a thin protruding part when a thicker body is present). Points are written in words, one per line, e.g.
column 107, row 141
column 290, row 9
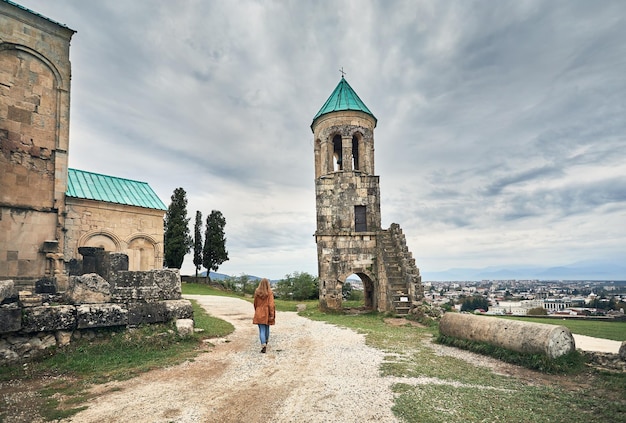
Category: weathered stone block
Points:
column 10, row 318
column 45, row 286
column 101, row 315
column 88, row 289
column 8, row 292
column 178, row 309
column 7, row 354
column 50, row 318
column 147, row 286
column 140, row 313
column 184, row 327
column 63, row 337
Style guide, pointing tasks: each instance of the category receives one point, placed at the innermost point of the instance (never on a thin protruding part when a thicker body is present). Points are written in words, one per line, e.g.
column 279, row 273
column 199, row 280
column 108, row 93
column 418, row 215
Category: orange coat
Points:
column 264, row 310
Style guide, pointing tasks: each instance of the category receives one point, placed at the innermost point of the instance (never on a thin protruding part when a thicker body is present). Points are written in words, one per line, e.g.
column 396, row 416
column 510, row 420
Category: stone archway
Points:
column 366, row 287
column 101, row 239
column 142, row 253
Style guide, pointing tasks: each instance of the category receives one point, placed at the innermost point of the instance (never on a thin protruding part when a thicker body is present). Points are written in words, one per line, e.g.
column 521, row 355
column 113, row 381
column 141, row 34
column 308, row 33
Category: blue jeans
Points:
column 264, row 333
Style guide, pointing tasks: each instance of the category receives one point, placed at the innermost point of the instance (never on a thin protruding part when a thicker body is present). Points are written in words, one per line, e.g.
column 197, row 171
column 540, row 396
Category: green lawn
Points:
column 281, row 305
column 606, row 329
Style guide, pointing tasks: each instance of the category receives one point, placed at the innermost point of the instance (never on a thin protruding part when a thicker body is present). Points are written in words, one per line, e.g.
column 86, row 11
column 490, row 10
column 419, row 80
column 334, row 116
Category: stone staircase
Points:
column 403, row 278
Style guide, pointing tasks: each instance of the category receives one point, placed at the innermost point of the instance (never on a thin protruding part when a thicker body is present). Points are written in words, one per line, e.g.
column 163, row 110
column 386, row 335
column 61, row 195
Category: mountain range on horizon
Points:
column 587, row 270
column 601, row 271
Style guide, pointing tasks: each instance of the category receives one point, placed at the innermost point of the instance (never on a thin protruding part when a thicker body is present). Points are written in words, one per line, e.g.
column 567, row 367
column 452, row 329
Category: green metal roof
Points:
column 19, row 6
column 343, row 98
column 93, row 186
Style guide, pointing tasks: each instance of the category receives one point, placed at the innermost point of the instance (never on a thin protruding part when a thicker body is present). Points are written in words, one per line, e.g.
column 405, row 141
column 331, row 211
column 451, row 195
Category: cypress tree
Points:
column 214, row 252
column 197, row 242
column 177, row 241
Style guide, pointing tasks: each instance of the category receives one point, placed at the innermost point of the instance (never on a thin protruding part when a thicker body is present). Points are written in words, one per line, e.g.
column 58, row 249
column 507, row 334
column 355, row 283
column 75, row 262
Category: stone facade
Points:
column 349, row 236
column 41, row 229
column 134, row 231
column 34, row 140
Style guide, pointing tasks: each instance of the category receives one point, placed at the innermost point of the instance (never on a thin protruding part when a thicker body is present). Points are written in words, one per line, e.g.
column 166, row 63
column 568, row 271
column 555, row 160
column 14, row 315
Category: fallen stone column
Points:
column 525, row 337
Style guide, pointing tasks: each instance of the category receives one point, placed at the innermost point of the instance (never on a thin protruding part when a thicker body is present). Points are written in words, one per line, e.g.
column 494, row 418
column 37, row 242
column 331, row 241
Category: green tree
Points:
column 475, row 302
column 247, row 285
column 346, row 290
column 537, row 311
column 177, row 241
column 197, row 242
column 297, row 286
column 214, row 252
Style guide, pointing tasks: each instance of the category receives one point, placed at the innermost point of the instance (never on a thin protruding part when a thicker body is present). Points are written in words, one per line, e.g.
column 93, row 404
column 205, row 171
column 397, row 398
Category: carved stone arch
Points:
column 99, row 238
column 58, row 85
column 369, row 285
column 142, row 250
column 55, row 71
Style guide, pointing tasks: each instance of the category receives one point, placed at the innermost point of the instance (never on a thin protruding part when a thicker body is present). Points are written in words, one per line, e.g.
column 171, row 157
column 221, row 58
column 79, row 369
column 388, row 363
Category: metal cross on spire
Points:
column 342, row 72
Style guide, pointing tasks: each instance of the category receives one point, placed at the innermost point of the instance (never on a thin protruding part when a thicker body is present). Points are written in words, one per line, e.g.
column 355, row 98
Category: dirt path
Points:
column 313, row 372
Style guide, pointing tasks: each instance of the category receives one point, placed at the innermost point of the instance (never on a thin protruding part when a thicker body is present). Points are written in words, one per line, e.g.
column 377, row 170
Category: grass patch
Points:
column 615, row 330
column 281, row 305
column 204, row 289
column 570, row 363
column 434, row 403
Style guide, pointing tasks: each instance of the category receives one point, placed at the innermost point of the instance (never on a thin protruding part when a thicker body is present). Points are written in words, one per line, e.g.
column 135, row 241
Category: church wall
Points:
column 22, row 236
column 34, row 139
column 135, row 231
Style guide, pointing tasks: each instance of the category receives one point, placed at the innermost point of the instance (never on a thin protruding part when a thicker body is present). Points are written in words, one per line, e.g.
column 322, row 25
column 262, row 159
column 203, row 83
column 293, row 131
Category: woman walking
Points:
column 264, row 311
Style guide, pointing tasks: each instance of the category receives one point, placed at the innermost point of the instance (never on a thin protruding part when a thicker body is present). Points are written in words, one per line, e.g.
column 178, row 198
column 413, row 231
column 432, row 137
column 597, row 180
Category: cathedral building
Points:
column 47, row 210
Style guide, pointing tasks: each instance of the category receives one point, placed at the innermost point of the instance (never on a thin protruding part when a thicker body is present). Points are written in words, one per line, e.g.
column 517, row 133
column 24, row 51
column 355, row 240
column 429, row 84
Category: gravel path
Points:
column 313, row 372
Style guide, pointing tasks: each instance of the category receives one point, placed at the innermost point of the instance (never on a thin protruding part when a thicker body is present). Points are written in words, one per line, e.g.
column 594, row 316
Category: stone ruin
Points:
column 101, row 293
column 526, row 337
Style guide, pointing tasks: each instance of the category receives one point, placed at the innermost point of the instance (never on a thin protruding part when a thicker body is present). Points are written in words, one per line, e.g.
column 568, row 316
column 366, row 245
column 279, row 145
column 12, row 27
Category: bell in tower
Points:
column 349, row 236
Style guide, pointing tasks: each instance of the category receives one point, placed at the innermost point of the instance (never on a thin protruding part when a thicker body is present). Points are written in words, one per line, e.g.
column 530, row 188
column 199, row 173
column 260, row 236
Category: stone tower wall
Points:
column 346, row 124
column 342, row 250
column 349, row 236
column 34, row 141
column 336, row 196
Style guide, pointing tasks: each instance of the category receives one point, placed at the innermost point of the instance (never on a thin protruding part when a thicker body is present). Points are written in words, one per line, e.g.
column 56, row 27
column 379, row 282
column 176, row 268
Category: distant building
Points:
column 557, row 304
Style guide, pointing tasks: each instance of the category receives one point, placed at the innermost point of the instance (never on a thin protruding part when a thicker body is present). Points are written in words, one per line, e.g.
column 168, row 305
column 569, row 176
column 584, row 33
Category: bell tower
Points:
column 349, row 236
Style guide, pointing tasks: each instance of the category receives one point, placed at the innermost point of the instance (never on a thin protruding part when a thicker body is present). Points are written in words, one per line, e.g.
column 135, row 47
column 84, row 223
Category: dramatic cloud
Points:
column 501, row 125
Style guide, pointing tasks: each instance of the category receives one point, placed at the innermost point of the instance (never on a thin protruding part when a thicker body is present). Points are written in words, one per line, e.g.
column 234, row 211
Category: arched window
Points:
column 355, row 152
column 337, row 153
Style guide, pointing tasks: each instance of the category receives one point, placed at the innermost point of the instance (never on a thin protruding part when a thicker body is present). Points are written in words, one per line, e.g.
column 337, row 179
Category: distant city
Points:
column 518, row 297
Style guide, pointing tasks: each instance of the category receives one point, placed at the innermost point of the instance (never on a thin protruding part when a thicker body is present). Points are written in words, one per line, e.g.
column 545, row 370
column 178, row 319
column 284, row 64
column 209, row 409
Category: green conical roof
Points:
column 343, row 98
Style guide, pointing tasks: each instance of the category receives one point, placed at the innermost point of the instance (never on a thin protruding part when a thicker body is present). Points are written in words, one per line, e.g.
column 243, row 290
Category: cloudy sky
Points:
column 501, row 136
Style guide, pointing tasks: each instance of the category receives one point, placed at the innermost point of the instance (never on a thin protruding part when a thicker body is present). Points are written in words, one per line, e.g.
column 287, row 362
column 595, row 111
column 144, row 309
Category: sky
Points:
column 501, row 136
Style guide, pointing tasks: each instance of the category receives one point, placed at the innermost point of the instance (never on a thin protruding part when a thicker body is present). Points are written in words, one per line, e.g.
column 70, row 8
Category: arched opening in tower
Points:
column 337, row 153
column 358, row 292
column 355, row 153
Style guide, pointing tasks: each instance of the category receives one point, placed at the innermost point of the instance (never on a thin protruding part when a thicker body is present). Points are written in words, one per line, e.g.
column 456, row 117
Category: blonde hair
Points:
column 264, row 288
